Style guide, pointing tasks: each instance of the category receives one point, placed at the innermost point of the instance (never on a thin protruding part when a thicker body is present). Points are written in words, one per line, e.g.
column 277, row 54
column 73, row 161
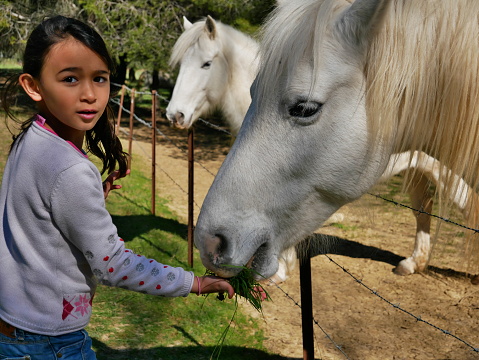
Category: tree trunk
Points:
column 155, row 83
column 121, row 70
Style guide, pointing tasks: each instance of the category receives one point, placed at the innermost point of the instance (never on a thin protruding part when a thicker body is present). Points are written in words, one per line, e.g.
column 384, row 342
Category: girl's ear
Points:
column 29, row 84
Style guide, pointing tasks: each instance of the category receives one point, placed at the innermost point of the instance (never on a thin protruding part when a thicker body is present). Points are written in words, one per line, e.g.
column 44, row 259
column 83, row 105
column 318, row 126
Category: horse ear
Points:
column 210, row 27
column 186, row 23
column 361, row 19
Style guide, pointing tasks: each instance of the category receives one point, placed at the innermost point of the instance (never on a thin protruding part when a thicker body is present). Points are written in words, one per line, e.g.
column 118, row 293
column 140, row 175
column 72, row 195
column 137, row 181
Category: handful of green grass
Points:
column 246, row 286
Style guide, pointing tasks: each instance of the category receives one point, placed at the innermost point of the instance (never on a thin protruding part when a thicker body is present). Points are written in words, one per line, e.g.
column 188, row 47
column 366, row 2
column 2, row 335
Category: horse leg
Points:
column 287, row 261
column 430, row 169
column 421, row 199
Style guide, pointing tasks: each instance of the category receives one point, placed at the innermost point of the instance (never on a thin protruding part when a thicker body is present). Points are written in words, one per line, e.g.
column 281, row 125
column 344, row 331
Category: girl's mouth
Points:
column 87, row 114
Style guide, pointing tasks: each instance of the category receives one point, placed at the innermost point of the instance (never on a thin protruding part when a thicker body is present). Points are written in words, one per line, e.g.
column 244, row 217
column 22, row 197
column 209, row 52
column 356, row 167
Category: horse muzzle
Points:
column 177, row 120
column 227, row 258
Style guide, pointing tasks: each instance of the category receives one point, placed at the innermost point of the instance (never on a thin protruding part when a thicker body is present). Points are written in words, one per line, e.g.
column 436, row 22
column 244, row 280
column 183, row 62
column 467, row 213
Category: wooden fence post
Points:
column 122, row 96
column 191, row 163
column 132, row 112
column 153, row 151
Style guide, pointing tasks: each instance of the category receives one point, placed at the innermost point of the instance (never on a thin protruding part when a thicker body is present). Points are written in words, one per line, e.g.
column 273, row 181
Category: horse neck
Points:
column 242, row 62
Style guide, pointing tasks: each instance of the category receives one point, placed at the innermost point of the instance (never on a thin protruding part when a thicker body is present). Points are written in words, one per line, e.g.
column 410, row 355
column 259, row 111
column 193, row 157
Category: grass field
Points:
column 129, row 325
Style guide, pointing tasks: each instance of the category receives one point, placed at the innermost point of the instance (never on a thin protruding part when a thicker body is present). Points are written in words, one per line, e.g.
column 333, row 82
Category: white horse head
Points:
column 218, row 65
column 341, row 87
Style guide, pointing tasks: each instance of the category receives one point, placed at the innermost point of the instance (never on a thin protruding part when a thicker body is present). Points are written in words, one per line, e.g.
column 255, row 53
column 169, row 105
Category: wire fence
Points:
column 356, row 279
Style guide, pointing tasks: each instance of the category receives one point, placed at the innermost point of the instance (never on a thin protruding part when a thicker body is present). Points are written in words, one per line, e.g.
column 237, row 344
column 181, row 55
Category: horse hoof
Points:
column 405, row 267
column 475, row 280
column 398, row 270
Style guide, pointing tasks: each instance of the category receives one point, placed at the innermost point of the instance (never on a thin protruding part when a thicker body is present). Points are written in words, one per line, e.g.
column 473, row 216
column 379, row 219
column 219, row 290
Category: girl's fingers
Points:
column 259, row 293
column 213, row 284
column 231, row 291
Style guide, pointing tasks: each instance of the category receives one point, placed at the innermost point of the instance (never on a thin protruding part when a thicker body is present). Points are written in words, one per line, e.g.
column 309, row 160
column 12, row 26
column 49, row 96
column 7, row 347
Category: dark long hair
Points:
column 101, row 140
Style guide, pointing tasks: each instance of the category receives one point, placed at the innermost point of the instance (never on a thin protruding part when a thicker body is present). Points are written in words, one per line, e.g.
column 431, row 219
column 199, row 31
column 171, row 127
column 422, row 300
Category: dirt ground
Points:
column 350, row 321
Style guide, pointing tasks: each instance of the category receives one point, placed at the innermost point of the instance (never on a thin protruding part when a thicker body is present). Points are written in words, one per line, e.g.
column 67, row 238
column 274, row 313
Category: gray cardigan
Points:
column 57, row 240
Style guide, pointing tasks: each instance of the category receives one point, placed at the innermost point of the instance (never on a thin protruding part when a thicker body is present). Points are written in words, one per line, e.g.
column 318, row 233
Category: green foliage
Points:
column 18, row 18
column 246, row 15
column 141, row 30
column 140, row 33
column 246, row 286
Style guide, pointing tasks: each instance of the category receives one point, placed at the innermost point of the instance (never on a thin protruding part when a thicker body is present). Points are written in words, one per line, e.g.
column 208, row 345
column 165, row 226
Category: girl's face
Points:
column 73, row 89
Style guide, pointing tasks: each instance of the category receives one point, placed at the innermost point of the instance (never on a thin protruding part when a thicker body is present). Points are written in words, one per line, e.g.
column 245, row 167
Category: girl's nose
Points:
column 88, row 93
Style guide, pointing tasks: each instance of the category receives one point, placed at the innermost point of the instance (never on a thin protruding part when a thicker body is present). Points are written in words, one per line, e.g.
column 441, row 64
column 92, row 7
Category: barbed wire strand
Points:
column 313, row 319
column 149, row 125
column 423, row 212
column 214, row 126
column 161, row 97
column 397, row 306
column 211, row 125
column 158, row 166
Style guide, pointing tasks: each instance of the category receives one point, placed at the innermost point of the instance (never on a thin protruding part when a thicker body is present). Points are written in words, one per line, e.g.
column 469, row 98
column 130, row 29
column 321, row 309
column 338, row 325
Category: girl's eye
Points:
column 206, row 65
column 70, row 79
column 101, row 79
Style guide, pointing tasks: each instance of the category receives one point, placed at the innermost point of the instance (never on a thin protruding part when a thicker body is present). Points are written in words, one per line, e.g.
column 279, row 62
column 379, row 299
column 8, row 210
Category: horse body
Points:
column 341, row 88
column 218, row 65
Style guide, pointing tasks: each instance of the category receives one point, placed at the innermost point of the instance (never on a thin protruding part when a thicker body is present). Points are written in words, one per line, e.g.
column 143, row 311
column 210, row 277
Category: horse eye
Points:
column 206, row 65
column 304, row 109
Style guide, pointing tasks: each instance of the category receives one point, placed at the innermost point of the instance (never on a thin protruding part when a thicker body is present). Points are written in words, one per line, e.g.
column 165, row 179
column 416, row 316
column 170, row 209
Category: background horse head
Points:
column 218, row 66
column 341, row 88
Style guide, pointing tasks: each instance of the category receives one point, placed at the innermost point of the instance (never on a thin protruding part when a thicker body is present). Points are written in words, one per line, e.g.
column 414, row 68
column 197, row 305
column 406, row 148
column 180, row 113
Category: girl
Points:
column 56, row 238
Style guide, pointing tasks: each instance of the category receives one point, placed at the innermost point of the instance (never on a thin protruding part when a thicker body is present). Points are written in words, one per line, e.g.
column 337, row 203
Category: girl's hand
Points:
column 211, row 284
column 259, row 293
column 108, row 184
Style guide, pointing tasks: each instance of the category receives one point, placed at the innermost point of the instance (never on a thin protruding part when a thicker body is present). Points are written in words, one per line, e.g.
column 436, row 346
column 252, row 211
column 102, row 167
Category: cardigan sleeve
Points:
column 78, row 210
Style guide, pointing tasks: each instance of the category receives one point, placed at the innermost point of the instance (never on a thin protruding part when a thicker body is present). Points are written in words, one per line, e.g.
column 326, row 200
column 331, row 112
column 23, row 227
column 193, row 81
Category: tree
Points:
column 17, row 20
column 246, row 15
column 139, row 33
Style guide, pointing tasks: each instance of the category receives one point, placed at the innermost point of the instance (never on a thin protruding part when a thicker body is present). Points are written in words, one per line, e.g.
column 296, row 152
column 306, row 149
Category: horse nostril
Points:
column 222, row 244
column 179, row 117
column 215, row 248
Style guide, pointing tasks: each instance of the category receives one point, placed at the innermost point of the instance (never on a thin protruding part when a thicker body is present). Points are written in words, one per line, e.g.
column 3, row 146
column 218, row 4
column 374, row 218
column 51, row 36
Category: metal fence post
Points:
column 306, row 303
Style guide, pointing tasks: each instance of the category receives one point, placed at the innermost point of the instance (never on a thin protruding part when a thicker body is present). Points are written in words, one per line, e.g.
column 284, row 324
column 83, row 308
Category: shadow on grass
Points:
column 131, row 226
column 135, row 226
column 196, row 352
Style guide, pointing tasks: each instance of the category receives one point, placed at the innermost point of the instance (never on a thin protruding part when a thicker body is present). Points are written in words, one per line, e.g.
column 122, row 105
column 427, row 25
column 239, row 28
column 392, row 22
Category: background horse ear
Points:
column 210, row 27
column 359, row 22
column 186, row 23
